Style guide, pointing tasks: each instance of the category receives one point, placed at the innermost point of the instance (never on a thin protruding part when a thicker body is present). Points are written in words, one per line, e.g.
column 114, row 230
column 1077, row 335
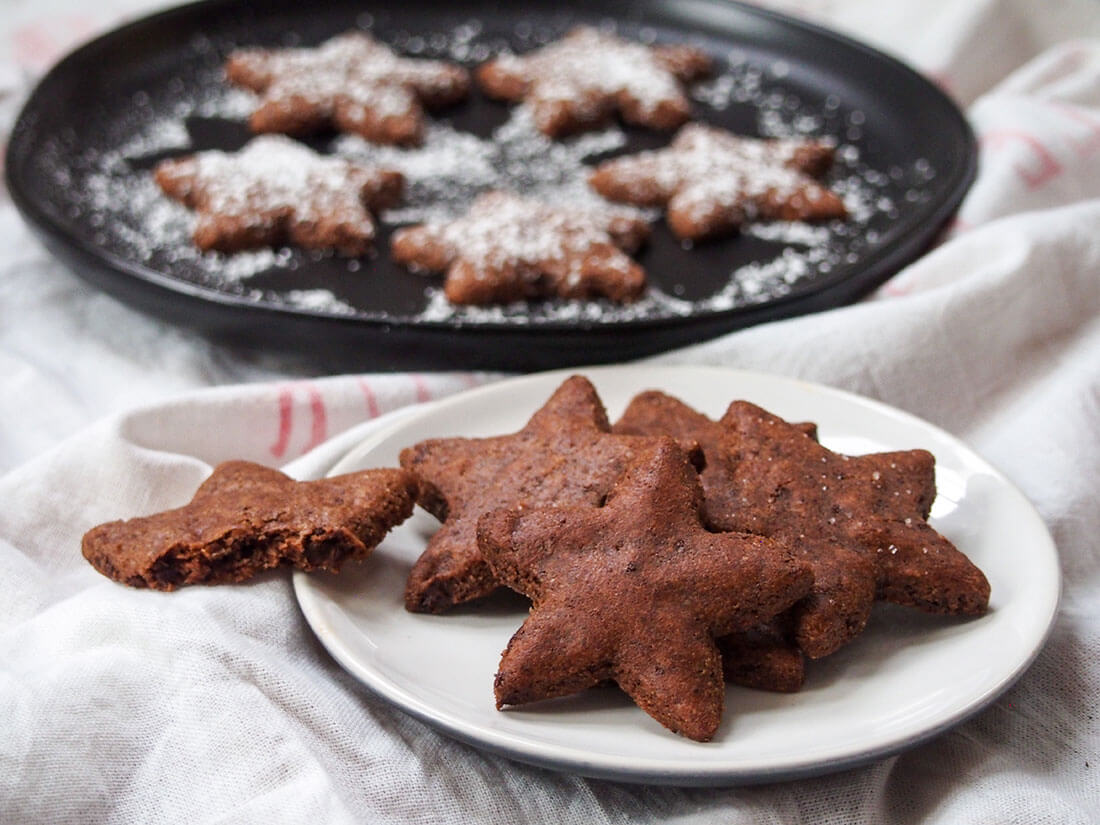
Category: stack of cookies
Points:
column 665, row 554
column 508, row 247
column 670, row 551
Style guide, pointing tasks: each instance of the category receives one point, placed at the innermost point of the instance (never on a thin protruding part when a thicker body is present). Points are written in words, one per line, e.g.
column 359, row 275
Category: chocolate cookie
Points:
column 580, row 81
column 508, row 248
column 766, row 657
column 711, row 181
column 565, row 454
column 787, row 484
column 635, row 591
column 351, row 83
column 246, row 518
column 860, row 521
column 277, row 191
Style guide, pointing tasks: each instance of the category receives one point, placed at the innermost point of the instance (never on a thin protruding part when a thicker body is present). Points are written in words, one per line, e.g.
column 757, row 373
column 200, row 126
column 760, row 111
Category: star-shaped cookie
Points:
column 860, row 521
column 277, row 191
column 710, row 181
column 636, row 592
column 351, row 83
column 508, row 248
column 580, row 81
column 565, row 454
column 246, row 518
column 765, row 657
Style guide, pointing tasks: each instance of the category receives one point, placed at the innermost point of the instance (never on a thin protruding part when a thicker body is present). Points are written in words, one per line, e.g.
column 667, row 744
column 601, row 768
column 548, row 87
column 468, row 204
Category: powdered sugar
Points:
column 587, row 61
column 112, row 194
column 352, row 67
column 503, row 229
column 274, row 173
column 451, row 168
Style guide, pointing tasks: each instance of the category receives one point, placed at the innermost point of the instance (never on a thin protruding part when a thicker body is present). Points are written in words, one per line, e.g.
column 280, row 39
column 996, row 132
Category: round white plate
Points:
column 909, row 676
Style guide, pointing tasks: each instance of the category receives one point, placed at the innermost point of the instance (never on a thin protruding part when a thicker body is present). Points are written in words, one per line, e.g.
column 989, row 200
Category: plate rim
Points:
column 651, row 771
column 120, row 275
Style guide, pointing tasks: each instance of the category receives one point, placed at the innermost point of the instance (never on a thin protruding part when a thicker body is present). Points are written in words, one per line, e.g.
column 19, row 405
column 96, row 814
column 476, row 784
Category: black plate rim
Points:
column 875, row 267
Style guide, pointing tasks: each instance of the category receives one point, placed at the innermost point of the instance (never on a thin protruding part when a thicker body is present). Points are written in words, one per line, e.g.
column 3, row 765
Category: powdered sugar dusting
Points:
column 274, row 173
column 588, row 60
column 502, row 229
column 451, row 168
column 352, row 67
column 110, row 192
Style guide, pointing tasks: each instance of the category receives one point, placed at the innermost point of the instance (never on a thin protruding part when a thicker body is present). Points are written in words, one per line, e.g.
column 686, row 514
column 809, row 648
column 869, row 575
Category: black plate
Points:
column 79, row 156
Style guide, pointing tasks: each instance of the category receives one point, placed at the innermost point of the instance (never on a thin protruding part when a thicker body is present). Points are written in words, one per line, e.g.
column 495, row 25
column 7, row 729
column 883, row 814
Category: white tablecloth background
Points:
column 217, row 705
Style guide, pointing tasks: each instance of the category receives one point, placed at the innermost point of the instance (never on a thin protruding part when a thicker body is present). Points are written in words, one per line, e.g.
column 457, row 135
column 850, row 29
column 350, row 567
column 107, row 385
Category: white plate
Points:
column 909, row 677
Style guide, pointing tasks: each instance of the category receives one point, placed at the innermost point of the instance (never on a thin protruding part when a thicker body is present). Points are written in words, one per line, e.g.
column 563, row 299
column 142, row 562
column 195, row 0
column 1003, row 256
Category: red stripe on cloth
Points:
column 319, row 431
column 373, row 410
column 422, row 392
column 286, row 423
column 1045, row 166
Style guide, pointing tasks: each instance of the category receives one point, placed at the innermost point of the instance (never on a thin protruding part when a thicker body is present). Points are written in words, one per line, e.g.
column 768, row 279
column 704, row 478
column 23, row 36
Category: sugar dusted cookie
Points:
column 580, row 81
column 508, row 248
column 247, row 518
column 635, row 591
column 277, row 191
column 711, row 181
column 351, row 83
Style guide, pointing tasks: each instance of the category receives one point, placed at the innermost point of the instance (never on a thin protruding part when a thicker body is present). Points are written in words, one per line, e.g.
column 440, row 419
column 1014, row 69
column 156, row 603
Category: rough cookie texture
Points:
column 580, row 81
column 763, row 657
column 246, row 518
column 860, row 521
column 351, row 83
column 766, row 657
column 565, row 454
column 635, row 591
column 277, row 191
column 711, row 181
column 508, row 248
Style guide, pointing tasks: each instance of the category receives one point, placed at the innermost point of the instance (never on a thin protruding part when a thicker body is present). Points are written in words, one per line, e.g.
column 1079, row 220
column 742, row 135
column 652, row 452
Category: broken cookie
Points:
column 351, row 83
column 246, row 518
column 580, row 81
column 508, row 248
column 635, row 591
column 277, row 191
column 711, row 181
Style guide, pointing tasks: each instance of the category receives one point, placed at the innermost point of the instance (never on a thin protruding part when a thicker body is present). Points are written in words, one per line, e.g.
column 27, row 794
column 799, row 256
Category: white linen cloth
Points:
column 218, row 705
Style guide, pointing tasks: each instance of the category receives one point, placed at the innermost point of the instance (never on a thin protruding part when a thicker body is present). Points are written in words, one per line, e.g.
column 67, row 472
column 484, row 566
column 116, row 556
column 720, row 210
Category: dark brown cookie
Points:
column 508, row 248
column 351, row 83
column 246, row 518
column 711, row 181
column 277, row 191
column 860, row 521
column 565, row 454
column 580, row 81
column 875, row 504
column 765, row 658
column 636, row 592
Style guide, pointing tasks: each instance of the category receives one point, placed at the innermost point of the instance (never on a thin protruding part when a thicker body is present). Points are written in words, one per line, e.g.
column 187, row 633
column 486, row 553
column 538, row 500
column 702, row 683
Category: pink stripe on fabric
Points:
column 373, row 410
column 1047, row 167
column 319, row 429
column 286, row 423
column 423, row 393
